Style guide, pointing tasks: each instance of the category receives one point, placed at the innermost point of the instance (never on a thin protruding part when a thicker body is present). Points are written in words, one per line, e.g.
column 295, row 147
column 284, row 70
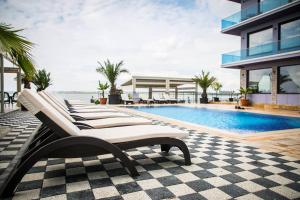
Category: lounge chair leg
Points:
column 55, row 148
column 165, row 147
column 186, row 153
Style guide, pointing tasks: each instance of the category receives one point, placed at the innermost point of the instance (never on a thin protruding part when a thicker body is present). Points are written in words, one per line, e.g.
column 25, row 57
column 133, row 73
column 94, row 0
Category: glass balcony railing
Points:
column 251, row 11
column 281, row 46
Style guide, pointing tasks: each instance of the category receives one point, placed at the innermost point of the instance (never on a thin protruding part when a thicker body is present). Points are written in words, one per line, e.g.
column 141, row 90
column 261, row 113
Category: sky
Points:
column 153, row 37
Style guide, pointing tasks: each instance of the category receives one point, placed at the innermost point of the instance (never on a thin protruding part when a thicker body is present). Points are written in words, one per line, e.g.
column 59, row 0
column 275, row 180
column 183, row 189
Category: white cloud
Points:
column 152, row 38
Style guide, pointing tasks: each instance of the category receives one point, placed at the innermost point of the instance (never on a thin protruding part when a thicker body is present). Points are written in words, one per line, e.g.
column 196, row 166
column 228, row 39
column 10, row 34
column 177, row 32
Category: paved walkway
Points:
column 222, row 169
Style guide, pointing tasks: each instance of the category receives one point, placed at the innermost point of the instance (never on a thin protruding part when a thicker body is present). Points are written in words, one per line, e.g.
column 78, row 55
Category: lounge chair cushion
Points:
column 117, row 121
column 132, row 133
column 95, row 110
column 60, row 109
column 39, row 104
column 101, row 115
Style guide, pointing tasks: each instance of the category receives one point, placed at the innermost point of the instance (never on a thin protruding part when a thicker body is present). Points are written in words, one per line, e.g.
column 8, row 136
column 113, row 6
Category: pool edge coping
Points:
column 214, row 131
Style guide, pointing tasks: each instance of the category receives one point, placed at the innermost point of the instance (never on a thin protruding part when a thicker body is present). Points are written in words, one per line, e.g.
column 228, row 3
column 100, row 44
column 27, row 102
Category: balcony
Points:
column 268, row 49
column 252, row 11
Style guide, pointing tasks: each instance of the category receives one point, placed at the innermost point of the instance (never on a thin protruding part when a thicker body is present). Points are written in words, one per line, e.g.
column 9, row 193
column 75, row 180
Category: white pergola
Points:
column 3, row 70
column 166, row 83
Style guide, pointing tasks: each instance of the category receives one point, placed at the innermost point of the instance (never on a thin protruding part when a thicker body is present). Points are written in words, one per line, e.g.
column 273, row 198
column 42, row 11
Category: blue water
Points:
column 234, row 121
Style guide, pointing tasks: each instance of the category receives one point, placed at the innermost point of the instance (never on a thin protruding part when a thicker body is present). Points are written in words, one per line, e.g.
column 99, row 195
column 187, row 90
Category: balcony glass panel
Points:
column 288, row 31
column 262, row 39
column 251, row 11
column 262, row 50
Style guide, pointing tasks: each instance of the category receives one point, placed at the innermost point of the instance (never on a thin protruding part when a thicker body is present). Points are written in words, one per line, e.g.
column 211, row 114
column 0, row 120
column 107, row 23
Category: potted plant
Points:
column 102, row 87
column 41, row 80
column 216, row 87
column 111, row 72
column 231, row 94
column 244, row 92
column 204, row 81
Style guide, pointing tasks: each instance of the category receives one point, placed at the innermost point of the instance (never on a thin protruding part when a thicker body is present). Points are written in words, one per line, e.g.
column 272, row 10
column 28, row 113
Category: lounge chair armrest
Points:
column 82, row 125
column 77, row 118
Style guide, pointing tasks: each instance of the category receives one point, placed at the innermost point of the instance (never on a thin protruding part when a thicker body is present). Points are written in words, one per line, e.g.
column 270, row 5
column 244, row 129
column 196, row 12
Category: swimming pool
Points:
column 233, row 121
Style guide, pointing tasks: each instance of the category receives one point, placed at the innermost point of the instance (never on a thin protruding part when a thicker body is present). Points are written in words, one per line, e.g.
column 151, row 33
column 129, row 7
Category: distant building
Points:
column 269, row 58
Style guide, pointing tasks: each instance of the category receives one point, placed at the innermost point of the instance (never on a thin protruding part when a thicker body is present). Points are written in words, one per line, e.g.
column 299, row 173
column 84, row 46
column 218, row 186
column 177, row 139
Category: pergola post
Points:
column 196, row 92
column 150, row 93
column 167, row 86
column 2, row 82
column 19, row 83
column 133, row 86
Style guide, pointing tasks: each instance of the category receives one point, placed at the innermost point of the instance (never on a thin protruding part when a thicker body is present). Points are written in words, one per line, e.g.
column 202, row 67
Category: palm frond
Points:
column 17, row 48
column 11, row 42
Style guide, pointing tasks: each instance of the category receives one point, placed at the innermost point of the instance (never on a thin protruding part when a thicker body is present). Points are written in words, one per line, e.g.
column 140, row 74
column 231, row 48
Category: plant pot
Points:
column 114, row 99
column 230, row 99
column 216, row 99
column 244, row 102
column 103, row 101
column 203, row 100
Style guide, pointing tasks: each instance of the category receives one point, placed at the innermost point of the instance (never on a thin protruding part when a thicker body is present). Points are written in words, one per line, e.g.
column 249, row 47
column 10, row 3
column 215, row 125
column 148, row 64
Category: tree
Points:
column 216, row 87
column 204, row 81
column 102, row 87
column 17, row 49
column 41, row 80
column 111, row 72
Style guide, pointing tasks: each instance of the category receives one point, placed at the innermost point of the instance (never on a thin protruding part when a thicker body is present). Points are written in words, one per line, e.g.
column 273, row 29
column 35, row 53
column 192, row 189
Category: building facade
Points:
column 269, row 58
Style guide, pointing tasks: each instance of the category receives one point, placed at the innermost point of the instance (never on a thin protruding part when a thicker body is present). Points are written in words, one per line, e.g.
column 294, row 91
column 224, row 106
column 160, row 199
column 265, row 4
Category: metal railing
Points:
column 281, row 46
column 252, row 11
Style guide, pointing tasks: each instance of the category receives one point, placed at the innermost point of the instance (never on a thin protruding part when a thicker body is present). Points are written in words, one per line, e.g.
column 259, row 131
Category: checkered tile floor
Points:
column 221, row 169
column 21, row 125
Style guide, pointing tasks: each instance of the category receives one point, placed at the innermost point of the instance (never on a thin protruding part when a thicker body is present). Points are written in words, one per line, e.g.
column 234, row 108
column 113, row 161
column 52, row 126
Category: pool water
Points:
column 233, row 121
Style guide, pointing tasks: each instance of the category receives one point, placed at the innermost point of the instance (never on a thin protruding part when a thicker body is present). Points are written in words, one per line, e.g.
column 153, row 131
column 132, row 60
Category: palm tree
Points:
column 17, row 49
column 111, row 72
column 41, row 80
column 216, row 87
column 204, row 81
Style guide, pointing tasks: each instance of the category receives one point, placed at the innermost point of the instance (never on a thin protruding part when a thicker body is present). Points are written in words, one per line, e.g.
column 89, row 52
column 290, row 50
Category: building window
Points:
column 290, row 34
column 260, row 42
column 289, row 79
column 260, row 80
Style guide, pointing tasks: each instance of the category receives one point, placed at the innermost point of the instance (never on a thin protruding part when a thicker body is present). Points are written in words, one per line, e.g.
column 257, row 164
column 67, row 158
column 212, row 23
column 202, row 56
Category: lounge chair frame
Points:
column 52, row 141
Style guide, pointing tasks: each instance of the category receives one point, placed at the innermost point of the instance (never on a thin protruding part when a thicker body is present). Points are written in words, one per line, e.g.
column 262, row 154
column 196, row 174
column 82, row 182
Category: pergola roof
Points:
column 156, row 81
column 11, row 70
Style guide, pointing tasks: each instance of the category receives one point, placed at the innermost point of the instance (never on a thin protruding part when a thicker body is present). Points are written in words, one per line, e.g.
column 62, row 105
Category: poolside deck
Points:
column 222, row 168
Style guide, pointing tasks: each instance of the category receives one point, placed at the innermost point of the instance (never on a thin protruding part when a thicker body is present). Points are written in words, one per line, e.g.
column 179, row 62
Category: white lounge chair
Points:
column 158, row 99
column 98, row 123
column 126, row 99
column 59, row 138
column 79, row 109
column 84, row 116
